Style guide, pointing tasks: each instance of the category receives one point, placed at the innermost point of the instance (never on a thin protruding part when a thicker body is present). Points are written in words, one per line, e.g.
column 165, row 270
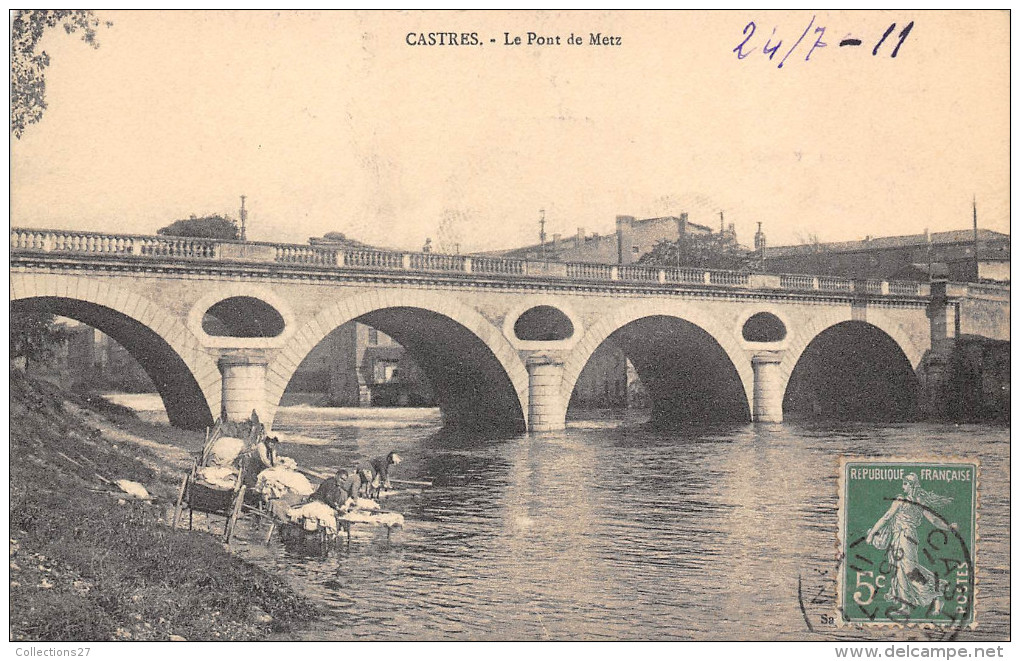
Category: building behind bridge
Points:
column 912, row 257
column 356, row 365
column 633, row 239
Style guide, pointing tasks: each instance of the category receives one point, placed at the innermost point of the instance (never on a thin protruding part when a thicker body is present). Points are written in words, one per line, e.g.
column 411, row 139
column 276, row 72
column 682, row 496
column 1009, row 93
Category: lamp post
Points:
column 244, row 218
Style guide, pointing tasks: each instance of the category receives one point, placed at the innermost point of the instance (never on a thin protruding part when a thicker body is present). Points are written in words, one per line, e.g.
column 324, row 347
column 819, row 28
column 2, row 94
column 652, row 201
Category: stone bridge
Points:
column 221, row 326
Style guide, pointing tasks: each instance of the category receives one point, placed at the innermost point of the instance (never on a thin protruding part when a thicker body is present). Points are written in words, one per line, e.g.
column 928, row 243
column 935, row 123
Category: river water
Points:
column 611, row 531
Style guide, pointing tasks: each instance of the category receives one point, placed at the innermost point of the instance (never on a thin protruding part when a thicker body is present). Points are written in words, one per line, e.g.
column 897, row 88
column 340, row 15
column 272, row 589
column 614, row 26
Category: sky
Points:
column 333, row 122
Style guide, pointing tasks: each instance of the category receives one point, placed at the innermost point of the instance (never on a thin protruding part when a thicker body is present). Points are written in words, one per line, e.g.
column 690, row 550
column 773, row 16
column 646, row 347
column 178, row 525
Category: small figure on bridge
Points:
column 379, row 469
column 428, row 245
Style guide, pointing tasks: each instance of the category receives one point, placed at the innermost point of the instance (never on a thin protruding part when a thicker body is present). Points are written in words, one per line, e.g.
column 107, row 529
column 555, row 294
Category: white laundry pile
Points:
column 221, row 477
column 313, row 515
column 388, row 519
column 285, row 462
column 282, row 480
column 367, row 504
column 133, row 489
column 224, row 451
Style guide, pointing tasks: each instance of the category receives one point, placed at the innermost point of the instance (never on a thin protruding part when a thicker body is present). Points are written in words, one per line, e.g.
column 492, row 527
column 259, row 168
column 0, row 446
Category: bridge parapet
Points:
column 498, row 265
column 183, row 248
column 685, row 275
column 113, row 244
column 908, row 289
column 306, row 255
column 586, row 271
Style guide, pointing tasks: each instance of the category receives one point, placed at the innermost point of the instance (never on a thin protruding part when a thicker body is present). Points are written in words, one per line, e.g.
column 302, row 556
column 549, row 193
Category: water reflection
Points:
column 612, row 531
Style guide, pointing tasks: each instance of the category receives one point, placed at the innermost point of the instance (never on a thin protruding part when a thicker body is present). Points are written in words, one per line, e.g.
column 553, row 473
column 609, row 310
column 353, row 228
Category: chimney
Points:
column 580, row 237
column 623, row 239
column 556, row 239
column 681, row 225
column 759, row 240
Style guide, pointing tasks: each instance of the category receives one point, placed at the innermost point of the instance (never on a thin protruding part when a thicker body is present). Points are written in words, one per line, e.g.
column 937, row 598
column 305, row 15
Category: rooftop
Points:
column 567, row 241
column 889, row 242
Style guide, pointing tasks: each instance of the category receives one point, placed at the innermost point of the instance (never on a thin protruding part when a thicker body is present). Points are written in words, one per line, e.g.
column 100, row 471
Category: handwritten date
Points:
column 773, row 46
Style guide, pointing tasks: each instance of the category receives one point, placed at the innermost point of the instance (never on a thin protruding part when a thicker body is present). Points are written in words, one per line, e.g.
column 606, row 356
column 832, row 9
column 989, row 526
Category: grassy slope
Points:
column 84, row 567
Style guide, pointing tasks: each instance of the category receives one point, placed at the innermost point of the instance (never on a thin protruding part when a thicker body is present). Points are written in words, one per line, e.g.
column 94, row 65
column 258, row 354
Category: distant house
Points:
column 357, row 365
column 91, row 360
column 633, row 239
column 911, row 257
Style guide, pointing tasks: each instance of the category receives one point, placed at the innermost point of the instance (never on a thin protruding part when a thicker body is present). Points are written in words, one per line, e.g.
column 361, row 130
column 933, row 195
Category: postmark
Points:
column 907, row 542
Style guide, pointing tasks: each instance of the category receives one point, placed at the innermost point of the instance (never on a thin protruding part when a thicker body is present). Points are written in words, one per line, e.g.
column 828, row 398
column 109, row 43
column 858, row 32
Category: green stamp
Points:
column 907, row 535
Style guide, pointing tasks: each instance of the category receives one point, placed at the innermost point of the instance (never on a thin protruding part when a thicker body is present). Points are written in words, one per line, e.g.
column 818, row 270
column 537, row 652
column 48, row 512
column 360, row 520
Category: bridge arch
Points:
column 802, row 334
column 726, row 341
column 186, row 377
column 501, row 384
column 871, row 344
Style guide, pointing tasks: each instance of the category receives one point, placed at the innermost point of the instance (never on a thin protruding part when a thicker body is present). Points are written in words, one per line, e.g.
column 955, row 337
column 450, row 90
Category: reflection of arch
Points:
column 188, row 378
column 803, row 334
column 602, row 329
column 349, row 309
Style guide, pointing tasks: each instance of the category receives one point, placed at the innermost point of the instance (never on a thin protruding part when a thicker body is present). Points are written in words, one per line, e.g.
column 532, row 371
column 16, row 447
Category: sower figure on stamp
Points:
column 911, row 584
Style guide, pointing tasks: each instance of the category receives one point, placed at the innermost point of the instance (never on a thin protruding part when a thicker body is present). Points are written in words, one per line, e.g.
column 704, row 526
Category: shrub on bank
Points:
column 84, row 567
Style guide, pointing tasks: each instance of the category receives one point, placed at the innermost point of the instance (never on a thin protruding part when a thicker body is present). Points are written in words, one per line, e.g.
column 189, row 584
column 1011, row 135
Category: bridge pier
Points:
column 244, row 386
column 546, row 410
column 768, row 392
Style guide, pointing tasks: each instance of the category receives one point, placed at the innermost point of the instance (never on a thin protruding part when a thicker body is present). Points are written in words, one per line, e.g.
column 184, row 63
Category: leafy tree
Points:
column 711, row 251
column 816, row 258
column 28, row 82
column 34, row 335
column 206, row 227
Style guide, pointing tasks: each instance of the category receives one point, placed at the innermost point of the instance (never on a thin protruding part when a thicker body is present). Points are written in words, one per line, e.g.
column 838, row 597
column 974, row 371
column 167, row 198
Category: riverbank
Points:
column 86, row 564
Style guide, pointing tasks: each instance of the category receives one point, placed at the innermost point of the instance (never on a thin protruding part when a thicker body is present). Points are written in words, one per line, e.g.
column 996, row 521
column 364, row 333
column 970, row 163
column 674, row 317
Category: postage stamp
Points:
column 907, row 541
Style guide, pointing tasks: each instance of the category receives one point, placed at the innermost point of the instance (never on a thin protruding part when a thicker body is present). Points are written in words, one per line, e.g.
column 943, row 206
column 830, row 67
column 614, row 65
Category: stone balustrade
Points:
column 639, row 273
column 305, row 255
column 828, row 283
column 586, row 271
column 684, row 275
column 160, row 247
column 497, row 265
column 905, row 289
